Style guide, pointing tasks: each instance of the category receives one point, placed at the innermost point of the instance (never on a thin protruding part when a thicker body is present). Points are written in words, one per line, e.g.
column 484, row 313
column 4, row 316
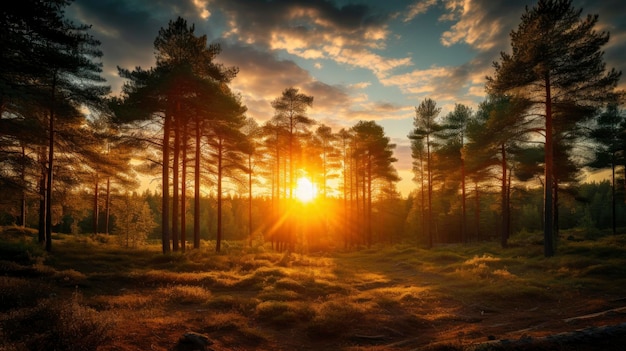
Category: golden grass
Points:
column 249, row 294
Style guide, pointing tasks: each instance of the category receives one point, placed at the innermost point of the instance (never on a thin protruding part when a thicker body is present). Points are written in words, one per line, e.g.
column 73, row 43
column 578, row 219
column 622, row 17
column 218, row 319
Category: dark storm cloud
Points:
column 612, row 19
column 255, row 20
column 127, row 29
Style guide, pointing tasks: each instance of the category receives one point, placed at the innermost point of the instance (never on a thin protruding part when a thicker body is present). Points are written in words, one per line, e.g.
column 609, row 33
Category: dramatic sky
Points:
column 360, row 59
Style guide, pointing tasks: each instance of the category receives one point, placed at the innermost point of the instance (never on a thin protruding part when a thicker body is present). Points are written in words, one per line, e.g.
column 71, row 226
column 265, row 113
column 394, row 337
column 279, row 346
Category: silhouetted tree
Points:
column 610, row 148
column 556, row 60
column 422, row 137
column 454, row 126
column 375, row 155
column 184, row 76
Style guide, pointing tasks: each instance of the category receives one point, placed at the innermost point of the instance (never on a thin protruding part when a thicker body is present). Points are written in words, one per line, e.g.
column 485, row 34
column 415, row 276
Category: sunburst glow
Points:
column 305, row 190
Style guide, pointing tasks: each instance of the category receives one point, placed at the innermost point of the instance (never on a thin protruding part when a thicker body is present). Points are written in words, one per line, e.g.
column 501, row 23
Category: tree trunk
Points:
column 22, row 221
column 430, row 193
column 183, row 191
column 107, row 206
column 345, row 198
column 503, row 203
column 96, row 210
column 463, row 203
column 613, row 204
column 218, row 241
column 196, row 200
column 548, row 235
column 165, row 187
column 477, row 211
column 250, row 200
column 42, row 199
column 50, row 169
column 176, row 182
column 369, row 202
column 423, row 198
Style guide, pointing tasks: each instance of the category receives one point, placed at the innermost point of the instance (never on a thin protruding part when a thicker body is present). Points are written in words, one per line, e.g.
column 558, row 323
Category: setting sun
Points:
column 305, row 190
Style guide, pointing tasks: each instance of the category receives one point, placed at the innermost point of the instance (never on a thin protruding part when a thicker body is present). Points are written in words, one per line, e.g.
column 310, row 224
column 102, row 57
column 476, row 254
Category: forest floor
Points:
column 92, row 295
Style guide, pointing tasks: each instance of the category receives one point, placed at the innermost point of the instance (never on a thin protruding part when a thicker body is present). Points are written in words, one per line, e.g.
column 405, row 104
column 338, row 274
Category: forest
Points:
column 74, row 157
column 509, row 176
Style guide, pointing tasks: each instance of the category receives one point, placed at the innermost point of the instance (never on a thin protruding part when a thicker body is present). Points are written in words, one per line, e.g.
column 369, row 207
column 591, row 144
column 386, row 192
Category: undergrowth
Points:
column 69, row 298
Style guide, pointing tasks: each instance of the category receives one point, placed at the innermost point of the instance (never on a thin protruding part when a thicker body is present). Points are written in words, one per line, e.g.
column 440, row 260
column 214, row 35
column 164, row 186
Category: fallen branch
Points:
column 594, row 315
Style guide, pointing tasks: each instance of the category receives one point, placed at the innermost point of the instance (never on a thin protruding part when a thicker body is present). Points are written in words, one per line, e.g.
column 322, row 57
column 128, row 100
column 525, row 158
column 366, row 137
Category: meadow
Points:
column 90, row 294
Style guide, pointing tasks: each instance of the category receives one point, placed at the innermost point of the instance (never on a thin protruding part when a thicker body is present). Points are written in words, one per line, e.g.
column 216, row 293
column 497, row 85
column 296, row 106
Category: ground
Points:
column 459, row 297
column 429, row 322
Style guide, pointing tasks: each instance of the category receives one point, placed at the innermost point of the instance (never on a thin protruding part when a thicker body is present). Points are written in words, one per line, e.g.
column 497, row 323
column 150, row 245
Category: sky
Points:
column 359, row 59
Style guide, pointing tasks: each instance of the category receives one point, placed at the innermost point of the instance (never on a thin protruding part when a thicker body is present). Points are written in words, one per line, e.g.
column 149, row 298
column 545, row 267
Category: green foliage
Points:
column 134, row 220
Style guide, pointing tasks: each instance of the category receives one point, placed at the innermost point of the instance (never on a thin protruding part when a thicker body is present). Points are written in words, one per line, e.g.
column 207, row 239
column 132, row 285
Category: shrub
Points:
column 336, row 317
column 51, row 325
column 19, row 293
column 283, row 313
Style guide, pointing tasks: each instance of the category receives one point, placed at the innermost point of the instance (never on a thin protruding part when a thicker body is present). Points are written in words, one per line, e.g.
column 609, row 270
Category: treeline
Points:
column 552, row 111
column 64, row 137
column 136, row 218
column 71, row 155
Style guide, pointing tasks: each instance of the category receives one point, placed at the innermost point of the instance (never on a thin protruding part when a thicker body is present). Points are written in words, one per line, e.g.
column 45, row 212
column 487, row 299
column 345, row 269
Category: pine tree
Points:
column 426, row 125
column 557, row 62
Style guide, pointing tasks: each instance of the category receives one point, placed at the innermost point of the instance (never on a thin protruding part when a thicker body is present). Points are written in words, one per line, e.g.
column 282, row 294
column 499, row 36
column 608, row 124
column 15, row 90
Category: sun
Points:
column 305, row 190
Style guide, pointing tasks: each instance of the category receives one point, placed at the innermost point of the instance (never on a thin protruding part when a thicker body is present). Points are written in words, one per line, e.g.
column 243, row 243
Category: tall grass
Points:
column 253, row 295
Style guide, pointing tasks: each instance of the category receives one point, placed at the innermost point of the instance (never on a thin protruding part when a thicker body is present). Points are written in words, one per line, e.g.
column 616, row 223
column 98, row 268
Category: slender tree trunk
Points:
column 548, row 228
column 50, row 168
column 324, row 171
column 477, row 211
column 165, row 187
column 42, row 199
column 430, row 193
column 22, row 221
column 107, row 206
column 556, row 207
column 508, row 205
column 345, row 198
column 96, row 210
column 364, row 218
column 503, row 204
column 357, row 202
column 183, row 191
column 463, row 204
column 176, row 182
column 423, row 197
column 369, row 201
column 196, row 200
column 218, row 242
column 613, row 204
column 250, row 200
column 353, row 205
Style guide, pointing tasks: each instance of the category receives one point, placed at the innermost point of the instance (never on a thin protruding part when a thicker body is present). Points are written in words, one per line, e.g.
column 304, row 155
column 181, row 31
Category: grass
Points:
column 115, row 299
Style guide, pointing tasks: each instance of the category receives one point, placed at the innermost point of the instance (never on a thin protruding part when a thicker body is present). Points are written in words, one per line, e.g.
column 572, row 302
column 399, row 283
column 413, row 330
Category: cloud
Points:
column 349, row 35
column 482, row 24
column 361, row 85
column 485, row 26
column 263, row 77
column 418, row 8
column 127, row 29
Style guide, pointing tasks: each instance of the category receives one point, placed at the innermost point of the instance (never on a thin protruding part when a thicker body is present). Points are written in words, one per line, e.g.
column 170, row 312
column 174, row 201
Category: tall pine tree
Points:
column 557, row 62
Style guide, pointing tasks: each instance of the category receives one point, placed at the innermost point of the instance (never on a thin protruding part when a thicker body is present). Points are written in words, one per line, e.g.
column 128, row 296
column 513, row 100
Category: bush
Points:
column 57, row 326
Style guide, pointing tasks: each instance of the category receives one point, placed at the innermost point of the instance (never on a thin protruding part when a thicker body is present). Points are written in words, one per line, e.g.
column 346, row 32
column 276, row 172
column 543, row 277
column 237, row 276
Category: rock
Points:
column 194, row 341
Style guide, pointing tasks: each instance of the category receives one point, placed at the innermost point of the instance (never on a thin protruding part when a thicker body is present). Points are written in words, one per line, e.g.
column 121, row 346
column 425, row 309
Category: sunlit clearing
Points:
column 305, row 190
